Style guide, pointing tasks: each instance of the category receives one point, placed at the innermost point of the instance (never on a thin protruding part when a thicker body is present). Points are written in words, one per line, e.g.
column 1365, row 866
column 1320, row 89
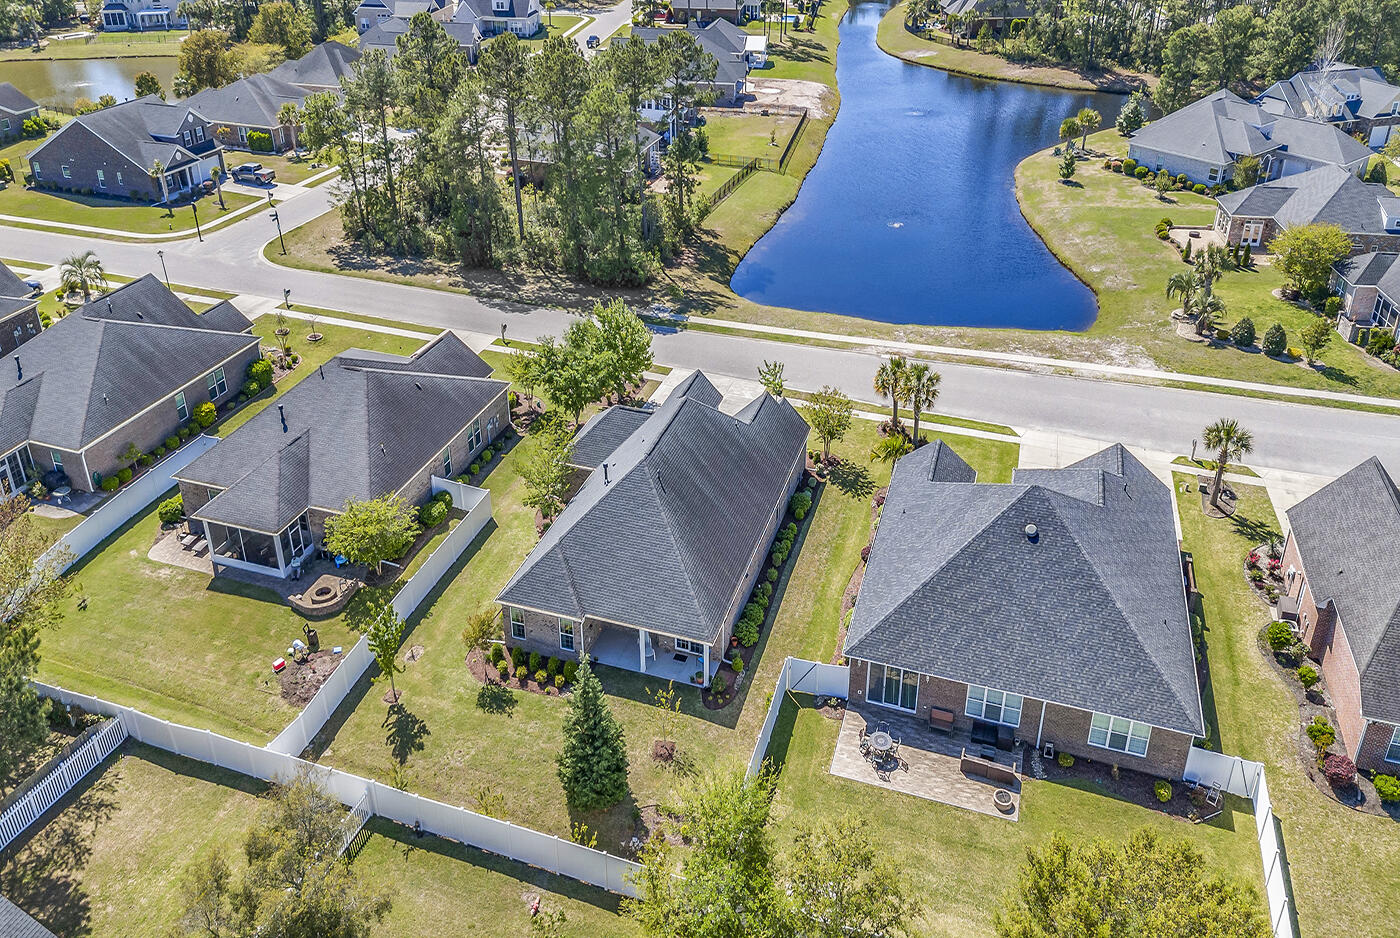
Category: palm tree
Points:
column 1183, row 285
column 890, row 448
column 1089, row 121
column 289, row 116
column 82, row 272
column 1207, row 310
column 1230, row 441
column 216, row 176
column 921, row 389
column 889, row 382
column 1210, row 267
column 157, row 174
column 1069, row 129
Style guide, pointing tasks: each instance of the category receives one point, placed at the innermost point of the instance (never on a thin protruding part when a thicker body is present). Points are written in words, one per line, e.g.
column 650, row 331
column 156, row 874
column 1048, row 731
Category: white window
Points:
column 182, row 411
column 199, row 134
column 101, row 180
column 57, row 458
column 1392, row 753
column 447, row 464
column 517, row 623
column 893, row 687
column 1214, row 174
column 994, row 706
column 217, row 385
column 1118, row 734
column 67, row 174
column 689, row 647
column 119, row 177
column 243, row 135
column 5, row 125
column 474, row 436
column 566, row 634
column 189, row 138
column 36, row 169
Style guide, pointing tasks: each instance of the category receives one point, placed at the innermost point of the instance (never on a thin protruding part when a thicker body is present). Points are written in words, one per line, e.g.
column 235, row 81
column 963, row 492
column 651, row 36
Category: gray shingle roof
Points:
column 12, row 284
column 385, row 34
column 1371, row 269
column 732, row 66
column 519, row 9
column 1328, row 194
column 1322, row 143
column 604, row 433
column 14, row 100
column 103, row 364
column 660, row 536
column 1091, row 613
column 253, row 101
column 16, row 923
column 323, row 67
column 1360, row 92
column 133, row 129
column 361, row 426
column 1346, row 534
column 990, row 8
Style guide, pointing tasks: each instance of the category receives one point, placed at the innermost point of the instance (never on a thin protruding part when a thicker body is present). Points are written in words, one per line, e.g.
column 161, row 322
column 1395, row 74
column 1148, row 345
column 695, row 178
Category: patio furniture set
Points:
column 881, row 750
column 193, row 541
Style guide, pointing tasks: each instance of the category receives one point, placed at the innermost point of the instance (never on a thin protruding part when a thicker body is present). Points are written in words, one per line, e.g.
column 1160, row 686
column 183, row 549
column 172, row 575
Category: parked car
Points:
column 253, row 173
column 35, row 287
column 594, row 42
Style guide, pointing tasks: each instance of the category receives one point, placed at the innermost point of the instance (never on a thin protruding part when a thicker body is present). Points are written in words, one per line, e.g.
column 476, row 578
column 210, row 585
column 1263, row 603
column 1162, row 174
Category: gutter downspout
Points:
column 1041, row 728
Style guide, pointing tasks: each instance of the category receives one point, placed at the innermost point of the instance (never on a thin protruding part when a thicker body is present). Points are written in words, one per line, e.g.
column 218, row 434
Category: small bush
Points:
column 503, row 669
column 251, row 388
column 1199, row 188
column 1321, row 733
column 772, row 575
column 158, row 452
column 172, row 442
column 1065, row 760
column 474, row 468
column 535, row 660
column 486, row 454
column 432, row 514
column 1243, row 333
column 145, row 460
column 1130, row 167
column 261, row 372
column 553, row 666
column 498, row 654
column 779, row 557
column 1275, row 341
column 171, row 510
column 1339, row 769
column 746, row 632
column 718, row 684
column 1387, row 787
column 205, row 414
column 517, row 656
column 260, row 142
column 570, row 671
column 110, row 484
column 1308, row 676
column 1332, row 305
column 1280, row 635
column 1222, row 335
column 800, row 504
column 184, row 432
column 558, row 682
column 1141, row 172
column 1115, row 166
column 1181, row 180
column 1163, row 790
column 522, row 674
column 541, row 677
column 124, row 475
column 736, row 661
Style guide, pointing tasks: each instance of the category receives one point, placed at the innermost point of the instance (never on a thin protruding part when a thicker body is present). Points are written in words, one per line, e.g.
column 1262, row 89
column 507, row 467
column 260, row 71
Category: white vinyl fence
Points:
column 801, row 677
column 127, row 503
column 299, row 733
column 503, row 838
column 60, row 780
column 1247, row 780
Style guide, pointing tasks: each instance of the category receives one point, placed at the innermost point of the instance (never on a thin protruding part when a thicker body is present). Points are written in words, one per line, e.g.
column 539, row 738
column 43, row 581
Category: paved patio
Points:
column 929, row 763
column 168, row 550
column 618, row 648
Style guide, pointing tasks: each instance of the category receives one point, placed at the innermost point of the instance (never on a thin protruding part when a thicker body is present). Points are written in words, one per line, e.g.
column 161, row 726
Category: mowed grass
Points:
column 107, row 859
column 1344, row 866
column 175, row 642
column 748, row 135
column 459, row 740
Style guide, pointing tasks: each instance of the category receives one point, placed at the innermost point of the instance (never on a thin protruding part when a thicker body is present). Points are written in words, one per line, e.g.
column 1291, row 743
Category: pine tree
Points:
column 593, row 763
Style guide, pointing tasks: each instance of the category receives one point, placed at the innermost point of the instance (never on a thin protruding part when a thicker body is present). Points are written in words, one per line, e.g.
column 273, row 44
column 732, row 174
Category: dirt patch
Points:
column 663, row 750
column 1227, row 498
column 657, row 823
column 413, row 654
column 790, row 92
column 299, row 681
column 1128, row 785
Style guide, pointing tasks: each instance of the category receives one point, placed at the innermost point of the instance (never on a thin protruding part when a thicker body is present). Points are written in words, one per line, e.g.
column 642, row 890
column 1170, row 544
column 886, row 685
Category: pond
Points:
column 60, row 81
column 909, row 215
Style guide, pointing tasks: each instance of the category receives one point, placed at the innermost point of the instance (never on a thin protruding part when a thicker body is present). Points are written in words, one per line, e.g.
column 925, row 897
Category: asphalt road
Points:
column 1287, row 436
column 604, row 24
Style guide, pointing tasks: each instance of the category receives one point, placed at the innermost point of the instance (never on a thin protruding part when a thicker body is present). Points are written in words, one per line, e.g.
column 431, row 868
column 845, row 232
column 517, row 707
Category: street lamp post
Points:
column 161, row 255
column 194, row 207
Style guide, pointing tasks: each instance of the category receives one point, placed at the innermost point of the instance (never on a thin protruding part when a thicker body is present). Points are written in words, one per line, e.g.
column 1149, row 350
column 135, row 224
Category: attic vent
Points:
column 138, row 314
column 19, row 370
column 283, row 414
column 417, row 385
column 321, row 370
column 383, row 450
column 1032, row 533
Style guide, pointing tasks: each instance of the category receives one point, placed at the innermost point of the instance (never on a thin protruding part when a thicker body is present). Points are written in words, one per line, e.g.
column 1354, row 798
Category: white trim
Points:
column 1394, row 742
column 986, row 692
column 1133, row 725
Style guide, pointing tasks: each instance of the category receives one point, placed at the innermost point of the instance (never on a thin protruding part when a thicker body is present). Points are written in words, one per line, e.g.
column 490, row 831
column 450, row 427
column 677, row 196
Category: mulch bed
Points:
column 1272, row 578
column 1313, row 703
column 1227, row 501
column 299, row 681
column 1131, row 786
column 484, row 671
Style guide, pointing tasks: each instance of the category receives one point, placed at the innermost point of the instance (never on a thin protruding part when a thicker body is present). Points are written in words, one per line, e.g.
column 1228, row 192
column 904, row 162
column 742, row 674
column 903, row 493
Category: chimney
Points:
column 19, row 370
column 282, row 412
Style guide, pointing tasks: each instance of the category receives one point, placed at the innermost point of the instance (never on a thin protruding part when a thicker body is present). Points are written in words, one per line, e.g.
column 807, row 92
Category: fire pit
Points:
column 1001, row 798
column 326, row 596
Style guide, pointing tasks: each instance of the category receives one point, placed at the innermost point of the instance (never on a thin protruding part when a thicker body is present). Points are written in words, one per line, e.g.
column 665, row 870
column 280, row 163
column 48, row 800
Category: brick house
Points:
column 126, row 369
column 649, row 566
column 1368, row 212
column 1049, row 610
column 1343, row 583
column 1369, row 285
column 112, row 152
column 19, row 311
column 365, row 425
column 1358, row 100
column 16, row 107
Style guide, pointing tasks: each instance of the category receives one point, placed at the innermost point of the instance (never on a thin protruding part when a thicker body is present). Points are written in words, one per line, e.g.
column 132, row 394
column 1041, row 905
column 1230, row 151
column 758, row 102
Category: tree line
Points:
column 1195, row 46
column 422, row 139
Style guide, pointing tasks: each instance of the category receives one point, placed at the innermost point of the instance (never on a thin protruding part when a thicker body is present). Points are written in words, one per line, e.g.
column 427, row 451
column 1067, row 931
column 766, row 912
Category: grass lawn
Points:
column 562, row 23
column 103, row 46
column 747, row 135
column 901, row 43
column 173, row 642
column 107, row 859
column 459, row 739
column 1208, row 465
column 810, row 56
column 712, row 176
column 287, row 169
column 1344, row 866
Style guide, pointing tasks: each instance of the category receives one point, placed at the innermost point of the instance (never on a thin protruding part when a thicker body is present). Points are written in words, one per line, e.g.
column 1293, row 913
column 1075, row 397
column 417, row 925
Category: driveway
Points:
column 605, row 22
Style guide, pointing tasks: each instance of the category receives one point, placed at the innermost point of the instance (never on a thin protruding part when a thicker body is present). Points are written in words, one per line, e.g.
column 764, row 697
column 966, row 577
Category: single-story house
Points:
column 1368, row 212
column 385, row 36
column 1051, row 609
column 493, row 17
column 366, row 424
column 141, row 15
column 536, row 157
column 321, row 69
column 1359, row 100
column 19, row 311
column 1205, row 138
column 249, row 106
column 16, row 107
column 370, row 12
column 649, row 566
column 996, row 15
column 727, row 44
column 127, row 368
column 1369, row 285
column 1343, row 580
column 113, row 151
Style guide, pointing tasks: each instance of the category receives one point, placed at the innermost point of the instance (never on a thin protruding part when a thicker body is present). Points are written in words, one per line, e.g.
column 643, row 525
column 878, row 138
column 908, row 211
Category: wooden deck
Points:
column 929, row 763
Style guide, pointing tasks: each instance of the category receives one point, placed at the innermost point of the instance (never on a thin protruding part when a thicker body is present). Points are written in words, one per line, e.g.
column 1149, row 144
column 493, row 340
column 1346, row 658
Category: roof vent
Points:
column 417, row 385
column 1032, row 533
column 605, row 473
column 321, row 370
column 19, row 370
column 281, row 412
column 383, row 450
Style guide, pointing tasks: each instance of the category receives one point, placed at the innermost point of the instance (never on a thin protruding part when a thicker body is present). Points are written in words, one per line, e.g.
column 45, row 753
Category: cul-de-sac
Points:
column 699, row 468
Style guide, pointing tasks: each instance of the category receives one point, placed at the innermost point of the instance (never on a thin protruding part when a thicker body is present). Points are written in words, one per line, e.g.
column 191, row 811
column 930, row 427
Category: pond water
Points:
column 909, row 215
column 60, row 81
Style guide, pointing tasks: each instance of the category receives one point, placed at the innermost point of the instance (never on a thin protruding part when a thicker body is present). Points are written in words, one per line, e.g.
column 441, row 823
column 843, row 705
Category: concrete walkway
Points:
column 220, row 222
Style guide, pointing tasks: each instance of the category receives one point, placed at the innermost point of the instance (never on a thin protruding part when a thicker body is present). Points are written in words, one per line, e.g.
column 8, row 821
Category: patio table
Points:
column 62, row 492
column 881, row 742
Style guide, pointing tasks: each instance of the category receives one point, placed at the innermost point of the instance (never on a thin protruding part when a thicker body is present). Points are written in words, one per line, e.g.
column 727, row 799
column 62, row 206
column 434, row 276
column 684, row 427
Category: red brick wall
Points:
column 1374, row 744
column 1068, row 729
column 1344, row 687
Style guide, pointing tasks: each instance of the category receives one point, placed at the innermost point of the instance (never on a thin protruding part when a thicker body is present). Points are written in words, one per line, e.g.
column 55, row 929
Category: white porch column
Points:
column 642, row 649
column 705, row 658
column 281, row 561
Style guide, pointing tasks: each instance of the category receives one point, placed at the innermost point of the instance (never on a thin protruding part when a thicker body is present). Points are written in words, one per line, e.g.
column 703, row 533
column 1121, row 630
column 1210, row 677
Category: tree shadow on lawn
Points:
column 1231, row 806
column 496, row 699
column 404, row 732
column 409, row 843
column 852, row 479
column 1253, row 530
column 797, row 49
column 615, row 827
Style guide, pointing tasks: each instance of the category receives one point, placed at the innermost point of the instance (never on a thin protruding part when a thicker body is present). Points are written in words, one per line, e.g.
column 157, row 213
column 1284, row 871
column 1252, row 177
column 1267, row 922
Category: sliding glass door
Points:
column 893, row 687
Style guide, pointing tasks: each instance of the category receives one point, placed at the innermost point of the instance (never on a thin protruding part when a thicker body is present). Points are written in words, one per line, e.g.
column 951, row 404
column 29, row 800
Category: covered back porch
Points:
column 645, row 652
column 281, row 555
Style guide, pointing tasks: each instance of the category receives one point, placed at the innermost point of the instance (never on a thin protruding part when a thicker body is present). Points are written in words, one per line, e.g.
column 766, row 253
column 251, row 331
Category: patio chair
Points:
column 1213, row 796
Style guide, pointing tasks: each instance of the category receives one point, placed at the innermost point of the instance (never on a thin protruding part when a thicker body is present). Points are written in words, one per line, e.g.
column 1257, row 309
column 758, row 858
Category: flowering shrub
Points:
column 1340, row 770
